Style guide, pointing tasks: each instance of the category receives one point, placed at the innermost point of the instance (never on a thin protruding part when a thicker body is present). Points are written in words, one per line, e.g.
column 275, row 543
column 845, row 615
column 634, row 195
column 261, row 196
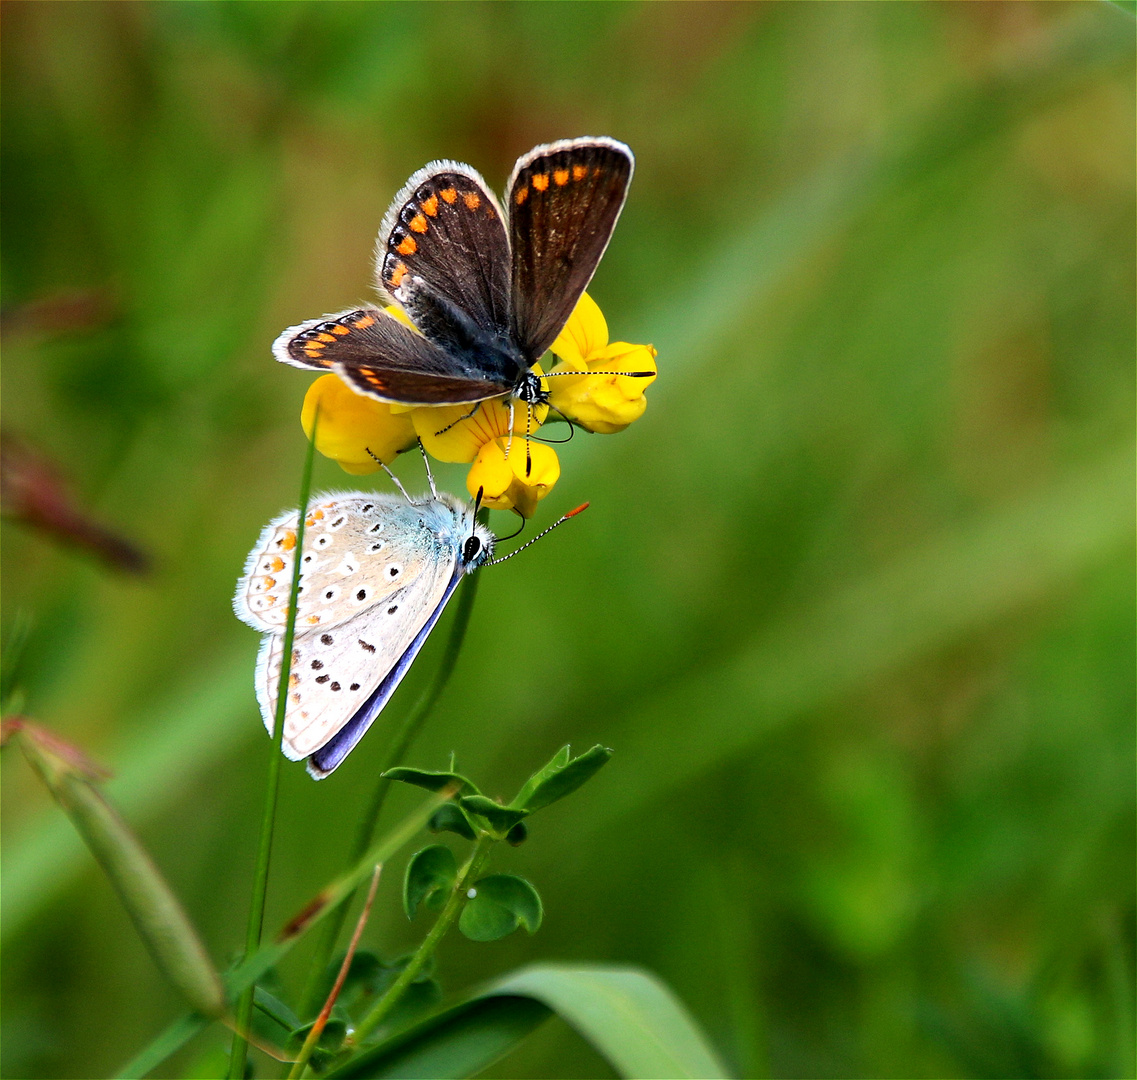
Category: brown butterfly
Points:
column 488, row 287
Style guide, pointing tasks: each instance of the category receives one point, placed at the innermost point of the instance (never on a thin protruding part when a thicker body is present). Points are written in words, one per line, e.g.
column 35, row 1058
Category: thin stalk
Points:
column 239, row 1051
column 425, row 951
column 322, row 1020
column 396, row 749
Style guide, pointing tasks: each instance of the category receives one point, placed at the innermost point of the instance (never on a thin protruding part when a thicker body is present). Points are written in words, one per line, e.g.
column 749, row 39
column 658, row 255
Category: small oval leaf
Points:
column 429, row 879
column 490, row 816
column 432, row 781
column 561, row 777
column 450, row 818
column 501, row 903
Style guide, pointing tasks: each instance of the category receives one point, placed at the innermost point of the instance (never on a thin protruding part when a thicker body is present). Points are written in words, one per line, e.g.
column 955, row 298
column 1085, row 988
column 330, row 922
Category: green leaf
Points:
column 449, row 818
column 433, row 781
column 429, row 879
column 157, row 914
column 461, row 1041
column 501, row 903
column 489, row 816
column 630, row 1016
column 561, row 777
column 627, row 1015
column 273, row 1021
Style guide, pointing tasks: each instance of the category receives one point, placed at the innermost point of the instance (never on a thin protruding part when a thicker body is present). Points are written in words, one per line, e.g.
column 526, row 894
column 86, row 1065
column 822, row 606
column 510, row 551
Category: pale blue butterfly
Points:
column 376, row 573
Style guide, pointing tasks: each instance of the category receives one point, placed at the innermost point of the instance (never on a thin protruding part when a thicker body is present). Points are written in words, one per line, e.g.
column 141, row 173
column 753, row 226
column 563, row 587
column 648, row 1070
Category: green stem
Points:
column 240, row 1049
column 425, row 951
column 396, row 749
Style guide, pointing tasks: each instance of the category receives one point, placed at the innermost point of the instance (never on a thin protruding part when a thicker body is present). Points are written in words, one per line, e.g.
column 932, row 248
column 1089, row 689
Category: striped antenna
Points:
column 544, row 532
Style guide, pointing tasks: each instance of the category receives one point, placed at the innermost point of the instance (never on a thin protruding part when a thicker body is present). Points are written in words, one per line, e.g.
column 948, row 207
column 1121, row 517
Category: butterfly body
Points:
column 376, row 573
column 488, row 287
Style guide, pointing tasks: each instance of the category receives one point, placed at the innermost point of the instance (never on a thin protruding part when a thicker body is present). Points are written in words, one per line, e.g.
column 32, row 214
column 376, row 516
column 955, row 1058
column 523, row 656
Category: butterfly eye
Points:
column 471, row 548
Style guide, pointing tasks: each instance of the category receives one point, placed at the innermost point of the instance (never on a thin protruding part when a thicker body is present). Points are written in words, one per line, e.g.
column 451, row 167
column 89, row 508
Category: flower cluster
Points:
column 512, row 470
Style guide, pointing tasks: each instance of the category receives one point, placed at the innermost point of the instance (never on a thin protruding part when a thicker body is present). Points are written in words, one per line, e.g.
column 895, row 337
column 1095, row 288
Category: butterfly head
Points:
column 530, row 390
column 477, row 547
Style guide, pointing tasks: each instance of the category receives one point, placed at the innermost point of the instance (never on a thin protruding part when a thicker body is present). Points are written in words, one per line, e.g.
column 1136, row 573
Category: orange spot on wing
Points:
column 314, row 343
column 398, row 275
column 318, row 515
column 313, row 619
column 287, row 541
column 366, row 321
column 269, row 582
column 521, row 196
column 541, row 181
column 418, row 223
column 430, row 206
column 326, row 338
column 408, row 246
column 277, row 564
column 472, row 200
column 339, row 329
column 561, row 177
column 449, row 195
column 293, row 679
column 312, row 352
column 579, row 172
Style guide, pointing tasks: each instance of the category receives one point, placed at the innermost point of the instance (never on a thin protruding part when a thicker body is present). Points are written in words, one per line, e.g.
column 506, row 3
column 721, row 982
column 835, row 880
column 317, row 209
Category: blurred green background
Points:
column 854, row 603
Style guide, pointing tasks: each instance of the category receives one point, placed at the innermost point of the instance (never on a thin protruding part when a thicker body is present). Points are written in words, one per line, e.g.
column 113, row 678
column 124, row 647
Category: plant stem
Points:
column 396, row 749
column 240, row 1049
column 424, row 952
column 322, row 1020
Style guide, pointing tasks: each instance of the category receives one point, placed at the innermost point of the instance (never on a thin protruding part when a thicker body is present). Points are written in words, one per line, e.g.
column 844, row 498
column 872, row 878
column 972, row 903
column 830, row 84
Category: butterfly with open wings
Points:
column 488, row 288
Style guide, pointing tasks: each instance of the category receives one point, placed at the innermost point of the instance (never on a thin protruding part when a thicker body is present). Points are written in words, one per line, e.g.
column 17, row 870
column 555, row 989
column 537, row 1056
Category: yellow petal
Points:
column 517, row 482
column 606, row 403
column 585, row 334
column 467, row 434
column 351, row 424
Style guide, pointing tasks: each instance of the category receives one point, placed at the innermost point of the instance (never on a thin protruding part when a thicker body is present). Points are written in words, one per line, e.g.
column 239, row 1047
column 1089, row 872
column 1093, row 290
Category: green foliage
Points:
column 429, row 879
column 628, row 1016
column 561, row 777
column 853, row 602
column 498, row 905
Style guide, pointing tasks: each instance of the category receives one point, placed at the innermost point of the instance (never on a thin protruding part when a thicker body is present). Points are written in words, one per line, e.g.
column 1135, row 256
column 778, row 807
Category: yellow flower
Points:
column 351, row 424
column 600, row 403
column 517, row 482
column 464, row 438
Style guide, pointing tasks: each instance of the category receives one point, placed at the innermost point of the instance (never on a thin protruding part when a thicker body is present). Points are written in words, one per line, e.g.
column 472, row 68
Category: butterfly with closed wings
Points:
column 376, row 573
column 488, row 289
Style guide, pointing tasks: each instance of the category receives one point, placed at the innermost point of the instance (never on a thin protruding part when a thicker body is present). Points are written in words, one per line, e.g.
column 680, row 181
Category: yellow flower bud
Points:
column 351, row 424
column 504, row 482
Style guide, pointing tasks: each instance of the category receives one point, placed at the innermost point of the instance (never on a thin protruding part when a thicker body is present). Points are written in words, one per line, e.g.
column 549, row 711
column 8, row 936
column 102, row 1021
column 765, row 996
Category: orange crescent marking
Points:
column 340, row 329
column 579, row 172
column 418, row 223
column 541, row 181
column 449, row 195
column 521, row 196
column 408, row 246
column 430, row 206
column 472, row 200
column 561, row 177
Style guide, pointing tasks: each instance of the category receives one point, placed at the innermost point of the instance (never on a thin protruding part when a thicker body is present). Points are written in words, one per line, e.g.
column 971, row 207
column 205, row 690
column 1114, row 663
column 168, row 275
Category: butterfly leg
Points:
column 429, row 474
column 394, row 478
column 476, row 407
column 509, row 441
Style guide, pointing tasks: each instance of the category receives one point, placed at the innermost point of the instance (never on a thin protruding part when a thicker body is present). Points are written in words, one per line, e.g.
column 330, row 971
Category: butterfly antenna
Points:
column 626, row 374
column 394, row 478
column 530, row 543
column 429, row 474
column 454, row 423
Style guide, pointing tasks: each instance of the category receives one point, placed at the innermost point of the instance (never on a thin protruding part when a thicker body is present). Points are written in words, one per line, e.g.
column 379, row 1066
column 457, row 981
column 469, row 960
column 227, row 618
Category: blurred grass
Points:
column 854, row 603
